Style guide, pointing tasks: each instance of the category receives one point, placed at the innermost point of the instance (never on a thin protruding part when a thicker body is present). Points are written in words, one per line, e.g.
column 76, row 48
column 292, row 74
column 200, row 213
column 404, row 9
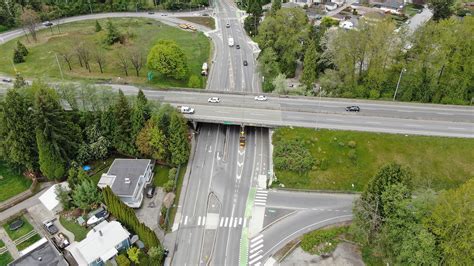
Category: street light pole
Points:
column 398, row 83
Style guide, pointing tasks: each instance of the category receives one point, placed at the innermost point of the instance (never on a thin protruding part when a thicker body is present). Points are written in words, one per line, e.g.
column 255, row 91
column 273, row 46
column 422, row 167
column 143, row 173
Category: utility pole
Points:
column 398, row 83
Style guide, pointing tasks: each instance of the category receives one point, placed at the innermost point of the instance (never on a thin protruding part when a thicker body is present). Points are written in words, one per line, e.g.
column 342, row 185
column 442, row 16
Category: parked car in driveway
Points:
column 353, row 108
column 260, row 98
column 61, row 241
column 150, row 191
column 213, row 100
column 50, row 227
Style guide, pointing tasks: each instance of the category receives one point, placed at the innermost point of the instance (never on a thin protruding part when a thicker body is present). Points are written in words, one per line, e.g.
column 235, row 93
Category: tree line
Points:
column 11, row 12
column 405, row 227
column 433, row 64
column 47, row 131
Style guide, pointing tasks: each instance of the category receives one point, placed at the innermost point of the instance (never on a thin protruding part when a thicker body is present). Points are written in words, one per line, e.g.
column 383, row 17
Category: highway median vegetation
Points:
column 346, row 160
column 116, row 53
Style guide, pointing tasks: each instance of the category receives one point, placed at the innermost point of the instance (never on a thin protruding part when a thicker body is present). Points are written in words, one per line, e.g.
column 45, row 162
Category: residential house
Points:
column 127, row 179
column 40, row 253
column 102, row 244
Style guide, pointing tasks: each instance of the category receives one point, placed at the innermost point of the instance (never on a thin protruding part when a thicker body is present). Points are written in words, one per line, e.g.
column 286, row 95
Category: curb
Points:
column 277, row 220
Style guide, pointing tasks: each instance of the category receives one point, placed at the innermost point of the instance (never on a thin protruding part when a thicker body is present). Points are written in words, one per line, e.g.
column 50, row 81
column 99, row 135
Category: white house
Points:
column 127, row 179
column 102, row 244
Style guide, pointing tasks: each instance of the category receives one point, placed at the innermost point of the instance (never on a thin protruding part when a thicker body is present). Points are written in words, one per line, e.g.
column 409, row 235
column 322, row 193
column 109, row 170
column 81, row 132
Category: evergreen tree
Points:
column 86, row 194
column 310, row 65
column 113, row 35
column 97, row 26
column 51, row 163
column 19, row 81
column 178, row 140
column 17, row 125
column 21, row 48
column 123, row 141
column 18, row 57
column 140, row 114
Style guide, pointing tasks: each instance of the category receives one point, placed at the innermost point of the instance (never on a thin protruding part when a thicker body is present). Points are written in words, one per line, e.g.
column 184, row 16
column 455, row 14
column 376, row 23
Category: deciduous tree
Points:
column 29, row 19
column 168, row 59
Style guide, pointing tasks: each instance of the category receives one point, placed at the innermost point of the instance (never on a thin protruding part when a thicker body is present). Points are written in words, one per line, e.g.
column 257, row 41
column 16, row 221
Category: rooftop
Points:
column 43, row 254
column 123, row 175
column 99, row 243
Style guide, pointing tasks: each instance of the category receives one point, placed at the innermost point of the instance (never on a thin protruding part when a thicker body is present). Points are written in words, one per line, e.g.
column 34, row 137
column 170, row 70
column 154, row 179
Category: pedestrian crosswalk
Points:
column 223, row 222
column 232, row 222
column 256, row 250
column 261, row 197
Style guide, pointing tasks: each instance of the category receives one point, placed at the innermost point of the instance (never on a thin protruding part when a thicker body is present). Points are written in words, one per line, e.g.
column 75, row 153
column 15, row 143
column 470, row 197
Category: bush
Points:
column 172, row 173
column 122, row 260
column 293, row 155
column 18, row 57
column 194, row 82
column 352, row 144
column 168, row 186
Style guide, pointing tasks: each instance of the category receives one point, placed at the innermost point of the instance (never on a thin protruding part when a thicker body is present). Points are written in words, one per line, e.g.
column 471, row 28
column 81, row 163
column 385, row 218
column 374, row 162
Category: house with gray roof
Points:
column 127, row 179
column 40, row 253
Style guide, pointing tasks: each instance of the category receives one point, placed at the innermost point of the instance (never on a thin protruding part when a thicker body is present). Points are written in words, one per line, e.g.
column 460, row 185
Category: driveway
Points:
column 149, row 213
column 419, row 19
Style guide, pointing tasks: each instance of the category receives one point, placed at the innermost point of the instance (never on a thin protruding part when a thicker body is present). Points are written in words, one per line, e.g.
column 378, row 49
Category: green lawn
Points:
column 5, row 258
column 160, row 176
column 29, row 242
column 79, row 232
column 142, row 35
column 174, row 209
column 11, row 182
column 436, row 162
column 26, row 228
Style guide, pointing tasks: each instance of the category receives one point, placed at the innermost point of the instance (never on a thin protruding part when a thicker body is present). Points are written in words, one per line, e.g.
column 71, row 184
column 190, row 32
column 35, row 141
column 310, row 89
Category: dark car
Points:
column 205, row 15
column 7, row 80
column 237, row 46
column 245, row 63
column 353, row 108
column 166, row 252
column 150, row 191
column 151, row 12
column 50, row 227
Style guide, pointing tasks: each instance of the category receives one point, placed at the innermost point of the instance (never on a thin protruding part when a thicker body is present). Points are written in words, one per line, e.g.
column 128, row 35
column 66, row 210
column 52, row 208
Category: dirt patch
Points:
column 345, row 254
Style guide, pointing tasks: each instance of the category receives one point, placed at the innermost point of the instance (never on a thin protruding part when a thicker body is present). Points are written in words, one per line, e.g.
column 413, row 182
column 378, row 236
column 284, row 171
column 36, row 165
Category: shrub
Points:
column 352, row 144
column 292, row 155
column 122, row 260
column 172, row 173
column 194, row 82
column 18, row 57
column 168, row 186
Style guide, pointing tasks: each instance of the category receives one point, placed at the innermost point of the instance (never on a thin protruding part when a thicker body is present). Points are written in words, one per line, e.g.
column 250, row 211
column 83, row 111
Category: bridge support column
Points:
column 194, row 125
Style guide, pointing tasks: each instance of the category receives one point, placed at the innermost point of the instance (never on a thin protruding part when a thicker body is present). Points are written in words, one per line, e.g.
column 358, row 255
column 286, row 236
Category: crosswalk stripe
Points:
column 199, row 220
column 245, row 222
column 256, row 248
column 260, row 200
column 203, row 220
column 258, row 264
column 256, row 259
column 255, row 254
column 260, row 203
column 185, row 220
column 235, row 221
column 256, row 238
column 254, row 244
column 221, row 222
column 240, row 220
column 260, row 197
column 226, row 221
column 262, row 191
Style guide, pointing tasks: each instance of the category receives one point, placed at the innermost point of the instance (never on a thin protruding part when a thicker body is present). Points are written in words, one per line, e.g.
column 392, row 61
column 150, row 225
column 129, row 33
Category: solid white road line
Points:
column 256, row 238
column 256, row 259
column 254, row 244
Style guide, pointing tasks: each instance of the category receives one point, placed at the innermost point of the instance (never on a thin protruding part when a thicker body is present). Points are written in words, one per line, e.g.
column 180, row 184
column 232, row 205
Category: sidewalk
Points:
column 9, row 244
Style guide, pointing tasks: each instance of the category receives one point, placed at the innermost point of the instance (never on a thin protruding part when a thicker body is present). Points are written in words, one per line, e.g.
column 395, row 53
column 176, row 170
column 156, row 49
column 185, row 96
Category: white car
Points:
column 213, row 100
column 260, row 98
column 48, row 24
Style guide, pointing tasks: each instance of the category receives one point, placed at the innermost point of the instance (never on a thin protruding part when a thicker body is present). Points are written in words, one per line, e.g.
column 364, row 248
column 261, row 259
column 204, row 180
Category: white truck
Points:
column 204, row 69
column 231, row 41
column 185, row 110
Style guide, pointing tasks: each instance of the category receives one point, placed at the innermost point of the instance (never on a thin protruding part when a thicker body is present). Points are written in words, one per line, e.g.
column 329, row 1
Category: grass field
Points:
column 160, row 177
column 142, row 35
column 26, row 228
column 28, row 242
column 11, row 183
column 5, row 258
column 79, row 232
column 205, row 21
column 436, row 162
